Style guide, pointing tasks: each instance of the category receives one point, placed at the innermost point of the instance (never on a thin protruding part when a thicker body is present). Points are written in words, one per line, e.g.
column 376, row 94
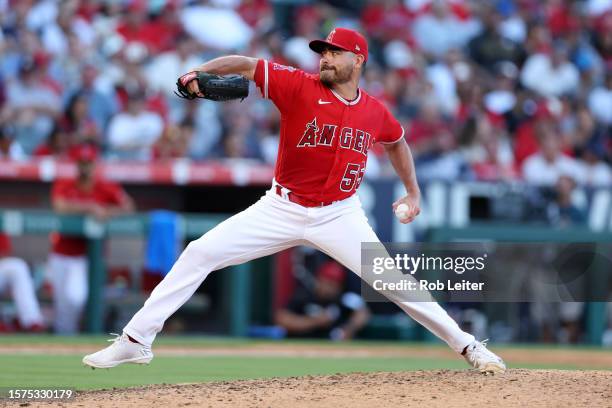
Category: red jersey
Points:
column 103, row 193
column 324, row 139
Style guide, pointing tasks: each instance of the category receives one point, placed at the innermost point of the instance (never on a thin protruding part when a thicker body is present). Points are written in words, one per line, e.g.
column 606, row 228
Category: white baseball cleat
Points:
column 121, row 351
column 481, row 358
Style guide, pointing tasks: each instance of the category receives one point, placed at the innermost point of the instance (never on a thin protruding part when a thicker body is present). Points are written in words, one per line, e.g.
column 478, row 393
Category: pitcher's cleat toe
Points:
column 484, row 360
column 120, row 352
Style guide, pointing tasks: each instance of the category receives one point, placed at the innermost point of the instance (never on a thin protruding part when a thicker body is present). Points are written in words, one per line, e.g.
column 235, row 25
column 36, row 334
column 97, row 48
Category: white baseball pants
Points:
column 270, row 225
column 14, row 273
column 70, row 281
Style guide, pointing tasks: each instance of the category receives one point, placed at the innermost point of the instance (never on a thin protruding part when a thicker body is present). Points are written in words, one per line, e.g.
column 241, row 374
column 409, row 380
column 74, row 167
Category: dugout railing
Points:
column 238, row 283
column 596, row 319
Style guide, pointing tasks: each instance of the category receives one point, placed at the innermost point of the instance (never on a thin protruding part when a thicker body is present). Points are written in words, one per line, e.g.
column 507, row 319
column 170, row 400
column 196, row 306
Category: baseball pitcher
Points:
column 328, row 124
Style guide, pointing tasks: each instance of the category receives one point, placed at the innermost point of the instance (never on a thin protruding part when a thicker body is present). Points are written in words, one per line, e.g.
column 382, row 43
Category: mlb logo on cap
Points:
column 344, row 39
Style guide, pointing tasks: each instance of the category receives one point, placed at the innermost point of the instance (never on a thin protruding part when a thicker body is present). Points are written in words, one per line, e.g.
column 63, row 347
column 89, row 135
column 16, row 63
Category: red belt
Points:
column 304, row 202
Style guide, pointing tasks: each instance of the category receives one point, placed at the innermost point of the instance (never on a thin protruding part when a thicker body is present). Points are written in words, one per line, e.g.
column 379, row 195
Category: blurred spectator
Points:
column 528, row 116
column 489, row 152
column 68, row 268
column 326, row 311
column 602, row 39
column 57, row 145
column 15, row 275
column 205, row 22
column 429, row 135
column 8, row 148
column 101, row 106
column 596, row 172
column 77, row 122
column 551, row 74
column 519, row 63
column 158, row 33
column 174, row 141
column 438, row 31
column 165, row 68
column 501, row 99
column 545, row 167
column 490, row 47
column 57, row 31
column 31, row 107
column 600, row 101
column 442, row 79
column 132, row 133
column 562, row 212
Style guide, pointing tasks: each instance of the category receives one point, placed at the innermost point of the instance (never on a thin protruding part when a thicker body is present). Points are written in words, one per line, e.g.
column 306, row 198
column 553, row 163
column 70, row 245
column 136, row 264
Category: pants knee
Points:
column 77, row 300
column 72, row 298
column 16, row 268
column 199, row 251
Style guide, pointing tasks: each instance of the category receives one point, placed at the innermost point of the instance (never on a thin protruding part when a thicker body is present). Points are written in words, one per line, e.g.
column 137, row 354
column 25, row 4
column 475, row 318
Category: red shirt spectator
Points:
column 253, row 11
column 85, row 194
column 103, row 193
column 157, row 35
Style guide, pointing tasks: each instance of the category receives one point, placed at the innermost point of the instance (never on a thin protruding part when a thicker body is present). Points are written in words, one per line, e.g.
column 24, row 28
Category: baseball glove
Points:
column 213, row 87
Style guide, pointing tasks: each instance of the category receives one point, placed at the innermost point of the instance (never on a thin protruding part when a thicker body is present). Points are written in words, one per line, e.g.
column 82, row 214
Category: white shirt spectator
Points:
column 14, row 152
column 437, row 36
column 443, row 82
column 514, row 28
column 131, row 136
column 500, row 101
column 166, row 68
column 34, row 107
column 55, row 40
column 540, row 172
column 598, row 7
column 207, row 23
column 600, row 104
column 597, row 174
column 32, row 95
column 541, row 76
column 41, row 14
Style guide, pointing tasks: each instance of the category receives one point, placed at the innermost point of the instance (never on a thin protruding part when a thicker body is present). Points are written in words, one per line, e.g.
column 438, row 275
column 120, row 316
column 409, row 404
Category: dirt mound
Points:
column 441, row 388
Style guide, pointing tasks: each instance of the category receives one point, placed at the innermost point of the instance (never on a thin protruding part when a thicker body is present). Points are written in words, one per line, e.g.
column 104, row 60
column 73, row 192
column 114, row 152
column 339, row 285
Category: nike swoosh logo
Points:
column 323, row 102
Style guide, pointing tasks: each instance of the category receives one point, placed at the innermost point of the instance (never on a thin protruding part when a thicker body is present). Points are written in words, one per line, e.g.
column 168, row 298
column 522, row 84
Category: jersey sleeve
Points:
column 391, row 131
column 278, row 82
column 114, row 194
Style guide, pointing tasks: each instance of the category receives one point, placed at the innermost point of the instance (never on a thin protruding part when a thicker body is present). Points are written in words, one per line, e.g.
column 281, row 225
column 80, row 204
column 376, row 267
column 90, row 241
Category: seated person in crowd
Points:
column 326, row 311
column 15, row 276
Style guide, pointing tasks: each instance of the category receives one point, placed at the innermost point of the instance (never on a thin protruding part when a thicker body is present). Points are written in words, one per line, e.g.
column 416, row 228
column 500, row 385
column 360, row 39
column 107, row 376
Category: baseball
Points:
column 401, row 211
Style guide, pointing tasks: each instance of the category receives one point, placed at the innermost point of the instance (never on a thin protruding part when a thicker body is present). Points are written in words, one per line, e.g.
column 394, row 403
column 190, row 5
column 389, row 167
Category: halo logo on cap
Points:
column 344, row 39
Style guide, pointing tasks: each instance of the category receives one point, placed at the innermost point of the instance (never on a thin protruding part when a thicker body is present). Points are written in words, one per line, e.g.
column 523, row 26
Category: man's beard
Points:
column 331, row 77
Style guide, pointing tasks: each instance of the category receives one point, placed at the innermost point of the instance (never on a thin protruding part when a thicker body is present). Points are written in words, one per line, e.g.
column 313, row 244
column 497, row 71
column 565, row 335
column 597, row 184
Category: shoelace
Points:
column 476, row 350
column 117, row 337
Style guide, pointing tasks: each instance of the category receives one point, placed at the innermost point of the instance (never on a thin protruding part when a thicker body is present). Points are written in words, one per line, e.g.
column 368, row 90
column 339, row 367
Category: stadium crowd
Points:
column 487, row 90
column 499, row 90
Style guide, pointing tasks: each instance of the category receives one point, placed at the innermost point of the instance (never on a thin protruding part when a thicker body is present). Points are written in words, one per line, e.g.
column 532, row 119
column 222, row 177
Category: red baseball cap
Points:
column 331, row 271
column 84, row 153
column 345, row 39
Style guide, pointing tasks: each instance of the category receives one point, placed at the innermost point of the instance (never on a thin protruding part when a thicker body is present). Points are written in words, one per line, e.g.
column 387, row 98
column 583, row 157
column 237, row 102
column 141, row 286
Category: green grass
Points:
column 66, row 370
column 219, row 341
